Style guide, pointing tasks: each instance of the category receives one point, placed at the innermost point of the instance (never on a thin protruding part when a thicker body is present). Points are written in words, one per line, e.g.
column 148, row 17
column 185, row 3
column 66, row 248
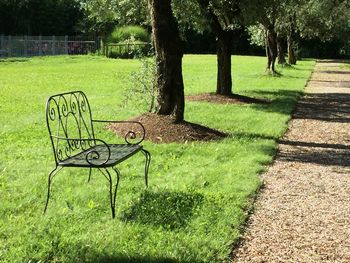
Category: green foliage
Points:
column 103, row 15
column 127, row 33
column 129, row 49
column 257, row 35
column 133, row 42
column 325, row 20
column 143, row 89
column 40, row 17
column 206, row 187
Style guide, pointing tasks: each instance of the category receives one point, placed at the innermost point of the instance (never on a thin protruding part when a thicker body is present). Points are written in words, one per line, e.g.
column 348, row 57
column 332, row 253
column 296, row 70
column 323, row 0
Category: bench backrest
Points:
column 69, row 119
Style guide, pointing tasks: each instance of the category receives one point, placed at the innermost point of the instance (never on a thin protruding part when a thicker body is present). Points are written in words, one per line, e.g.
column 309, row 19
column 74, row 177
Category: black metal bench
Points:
column 71, row 128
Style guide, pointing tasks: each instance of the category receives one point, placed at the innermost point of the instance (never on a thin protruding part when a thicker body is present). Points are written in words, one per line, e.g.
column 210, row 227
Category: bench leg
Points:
column 51, row 176
column 112, row 192
column 89, row 175
column 147, row 163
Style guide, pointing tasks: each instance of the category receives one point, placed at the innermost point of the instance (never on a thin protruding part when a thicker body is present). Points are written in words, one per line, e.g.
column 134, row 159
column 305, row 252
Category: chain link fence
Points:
column 28, row 46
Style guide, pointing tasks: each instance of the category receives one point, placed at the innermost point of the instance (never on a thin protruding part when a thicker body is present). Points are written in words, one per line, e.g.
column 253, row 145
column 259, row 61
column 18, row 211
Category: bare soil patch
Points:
column 163, row 129
column 226, row 99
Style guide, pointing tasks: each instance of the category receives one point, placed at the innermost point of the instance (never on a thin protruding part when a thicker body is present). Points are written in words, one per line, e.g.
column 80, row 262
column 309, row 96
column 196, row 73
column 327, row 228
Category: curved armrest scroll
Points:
column 94, row 156
column 130, row 136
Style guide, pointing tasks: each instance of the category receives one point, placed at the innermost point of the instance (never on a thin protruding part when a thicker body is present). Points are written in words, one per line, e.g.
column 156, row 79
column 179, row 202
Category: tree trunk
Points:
column 168, row 48
column 224, row 46
column 280, row 51
column 224, row 78
column 271, row 49
column 292, row 60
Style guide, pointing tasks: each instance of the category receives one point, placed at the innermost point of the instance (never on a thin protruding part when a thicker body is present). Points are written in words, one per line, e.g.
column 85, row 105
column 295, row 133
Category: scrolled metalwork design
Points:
column 131, row 137
column 98, row 152
column 69, row 114
column 52, row 114
column 59, row 155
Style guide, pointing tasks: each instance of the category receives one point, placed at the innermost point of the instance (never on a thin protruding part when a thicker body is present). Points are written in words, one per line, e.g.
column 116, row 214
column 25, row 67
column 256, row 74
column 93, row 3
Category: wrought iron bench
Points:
column 71, row 128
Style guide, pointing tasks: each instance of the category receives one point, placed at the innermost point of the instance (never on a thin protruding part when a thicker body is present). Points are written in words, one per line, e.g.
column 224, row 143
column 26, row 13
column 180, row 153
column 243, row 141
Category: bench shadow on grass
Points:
column 170, row 210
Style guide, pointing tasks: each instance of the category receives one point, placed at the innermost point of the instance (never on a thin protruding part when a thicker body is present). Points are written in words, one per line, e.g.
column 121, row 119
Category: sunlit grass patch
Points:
column 199, row 193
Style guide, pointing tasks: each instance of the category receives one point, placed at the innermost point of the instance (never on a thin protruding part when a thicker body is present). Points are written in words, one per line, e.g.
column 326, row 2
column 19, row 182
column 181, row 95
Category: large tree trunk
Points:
column 280, row 51
column 224, row 46
column 168, row 47
column 224, row 78
column 271, row 49
column 292, row 60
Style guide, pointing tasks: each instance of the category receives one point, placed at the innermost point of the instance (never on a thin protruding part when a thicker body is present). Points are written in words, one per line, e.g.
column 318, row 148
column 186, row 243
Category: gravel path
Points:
column 303, row 212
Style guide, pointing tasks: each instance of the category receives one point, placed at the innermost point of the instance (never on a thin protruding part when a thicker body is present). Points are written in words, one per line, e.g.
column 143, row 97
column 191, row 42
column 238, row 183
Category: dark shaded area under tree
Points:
column 37, row 17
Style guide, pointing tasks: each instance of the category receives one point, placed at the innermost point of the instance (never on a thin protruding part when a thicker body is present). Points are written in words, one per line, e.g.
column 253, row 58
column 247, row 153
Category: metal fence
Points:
column 127, row 50
column 28, row 46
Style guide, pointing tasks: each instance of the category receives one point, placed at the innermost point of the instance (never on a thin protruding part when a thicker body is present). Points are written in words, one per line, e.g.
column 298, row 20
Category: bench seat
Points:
column 118, row 153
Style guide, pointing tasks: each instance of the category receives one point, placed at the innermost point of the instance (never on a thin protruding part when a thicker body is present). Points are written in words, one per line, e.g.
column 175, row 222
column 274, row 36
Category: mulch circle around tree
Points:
column 226, row 99
column 162, row 129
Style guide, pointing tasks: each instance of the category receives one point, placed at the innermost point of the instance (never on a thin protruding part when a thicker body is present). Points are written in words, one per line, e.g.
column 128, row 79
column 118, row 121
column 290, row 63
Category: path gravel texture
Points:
column 303, row 211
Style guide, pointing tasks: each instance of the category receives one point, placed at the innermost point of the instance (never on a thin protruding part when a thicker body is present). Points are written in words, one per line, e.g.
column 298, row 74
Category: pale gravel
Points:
column 303, row 211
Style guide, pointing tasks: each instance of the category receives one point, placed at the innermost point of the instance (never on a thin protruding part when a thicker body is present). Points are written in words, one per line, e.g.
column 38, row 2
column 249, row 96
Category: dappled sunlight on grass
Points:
column 199, row 192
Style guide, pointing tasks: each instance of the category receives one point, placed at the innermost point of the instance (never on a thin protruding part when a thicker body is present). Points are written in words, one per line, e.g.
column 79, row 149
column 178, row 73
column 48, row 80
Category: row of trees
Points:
column 276, row 24
column 279, row 20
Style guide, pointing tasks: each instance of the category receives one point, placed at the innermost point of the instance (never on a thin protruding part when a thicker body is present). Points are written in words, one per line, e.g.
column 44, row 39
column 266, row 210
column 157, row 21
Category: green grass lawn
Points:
column 199, row 193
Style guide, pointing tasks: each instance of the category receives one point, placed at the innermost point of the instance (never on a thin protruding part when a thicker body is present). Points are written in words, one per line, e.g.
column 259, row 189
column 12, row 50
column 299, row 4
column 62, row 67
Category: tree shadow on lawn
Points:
column 293, row 67
column 332, row 107
column 170, row 210
column 283, row 102
column 226, row 99
column 252, row 136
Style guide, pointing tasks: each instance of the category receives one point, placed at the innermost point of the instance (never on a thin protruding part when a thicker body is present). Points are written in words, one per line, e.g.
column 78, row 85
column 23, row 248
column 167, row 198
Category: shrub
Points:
column 130, row 48
column 143, row 91
column 122, row 34
column 132, row 42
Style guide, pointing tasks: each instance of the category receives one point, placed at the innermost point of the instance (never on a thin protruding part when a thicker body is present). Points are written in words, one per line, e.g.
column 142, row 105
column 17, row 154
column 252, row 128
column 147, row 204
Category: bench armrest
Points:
column 130, row 136
column 93, row 156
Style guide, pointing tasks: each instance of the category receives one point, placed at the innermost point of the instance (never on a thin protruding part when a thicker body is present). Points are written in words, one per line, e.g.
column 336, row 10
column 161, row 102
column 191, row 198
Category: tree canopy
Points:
column 38, row 17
